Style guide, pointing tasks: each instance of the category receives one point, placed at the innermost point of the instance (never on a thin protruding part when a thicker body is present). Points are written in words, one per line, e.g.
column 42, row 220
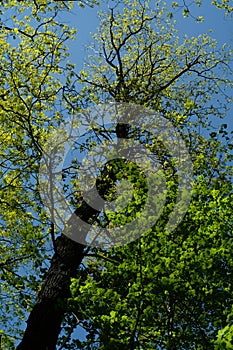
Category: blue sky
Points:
column 86, row 21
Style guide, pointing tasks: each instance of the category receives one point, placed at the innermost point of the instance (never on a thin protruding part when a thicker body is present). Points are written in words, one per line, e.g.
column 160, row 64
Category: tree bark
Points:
column 45, row 319
column 44, row 322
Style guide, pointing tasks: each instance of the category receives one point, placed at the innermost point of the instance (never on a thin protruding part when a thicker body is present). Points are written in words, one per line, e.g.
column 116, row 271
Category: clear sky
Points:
column 86, row 21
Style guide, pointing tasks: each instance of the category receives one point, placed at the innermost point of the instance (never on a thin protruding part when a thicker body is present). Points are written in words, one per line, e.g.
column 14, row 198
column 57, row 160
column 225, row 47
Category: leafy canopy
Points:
column 165, row 290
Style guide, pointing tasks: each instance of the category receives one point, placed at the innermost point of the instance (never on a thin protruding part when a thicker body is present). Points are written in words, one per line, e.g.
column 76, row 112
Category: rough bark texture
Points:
column 43, row 325
column 44, row 322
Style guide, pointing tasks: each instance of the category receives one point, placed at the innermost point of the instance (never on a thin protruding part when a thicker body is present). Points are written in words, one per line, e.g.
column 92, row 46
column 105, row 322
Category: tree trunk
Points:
column 44, row 322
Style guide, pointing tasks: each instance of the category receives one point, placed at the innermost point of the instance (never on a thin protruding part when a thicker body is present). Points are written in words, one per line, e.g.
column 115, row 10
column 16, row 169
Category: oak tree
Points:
column 167, row 289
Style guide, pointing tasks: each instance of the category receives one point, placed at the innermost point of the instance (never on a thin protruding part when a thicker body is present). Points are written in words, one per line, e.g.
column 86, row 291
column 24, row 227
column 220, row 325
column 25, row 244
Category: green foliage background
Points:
column 165, row 290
